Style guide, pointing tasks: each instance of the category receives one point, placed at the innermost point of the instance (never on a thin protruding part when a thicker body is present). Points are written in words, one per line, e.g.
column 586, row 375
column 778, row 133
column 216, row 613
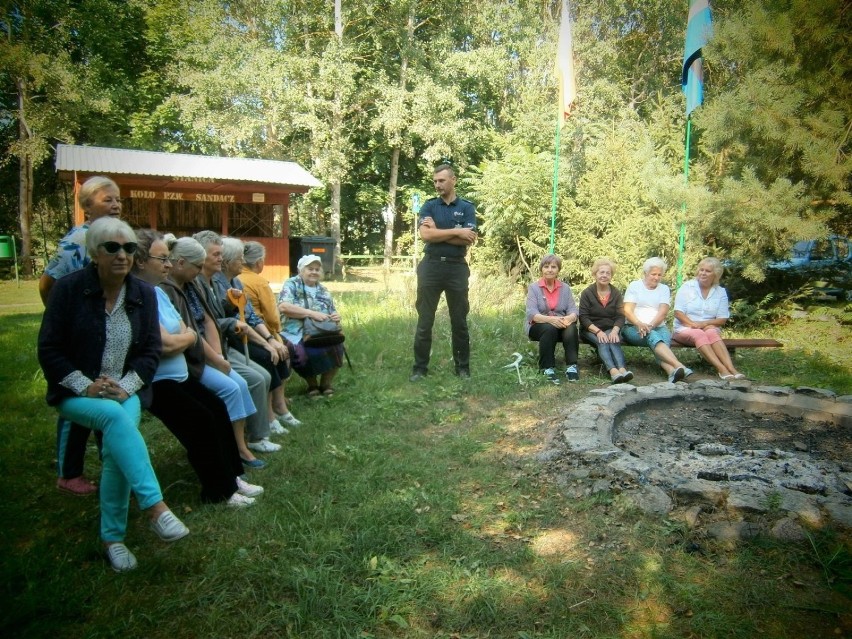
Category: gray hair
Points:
column 654, row 262
column 92, row 186
column 550, row 258
column 254, row 252
column 105, row 229
column 232, row 249
column 717, row 267
column 145, row 238
column 206, row 238
column 185, row 248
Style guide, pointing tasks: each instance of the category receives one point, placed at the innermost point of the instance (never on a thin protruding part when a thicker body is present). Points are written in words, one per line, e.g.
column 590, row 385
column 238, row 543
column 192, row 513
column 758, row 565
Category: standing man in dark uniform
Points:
column 448, row 227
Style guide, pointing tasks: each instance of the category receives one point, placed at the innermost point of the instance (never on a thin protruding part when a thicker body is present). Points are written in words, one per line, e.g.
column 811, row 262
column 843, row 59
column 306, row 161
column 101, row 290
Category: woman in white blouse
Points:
column 701, row 309
column 646, row 305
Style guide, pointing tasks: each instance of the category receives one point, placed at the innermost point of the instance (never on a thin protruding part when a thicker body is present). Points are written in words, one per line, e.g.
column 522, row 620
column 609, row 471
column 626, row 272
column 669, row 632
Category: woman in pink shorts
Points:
column 701, row 309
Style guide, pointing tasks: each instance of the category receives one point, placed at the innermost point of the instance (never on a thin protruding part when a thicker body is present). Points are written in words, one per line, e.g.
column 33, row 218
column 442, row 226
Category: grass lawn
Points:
column 407, row 510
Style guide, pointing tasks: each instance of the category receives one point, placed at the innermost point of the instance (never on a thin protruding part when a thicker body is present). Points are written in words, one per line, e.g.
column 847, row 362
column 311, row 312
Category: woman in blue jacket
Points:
column 99, row 346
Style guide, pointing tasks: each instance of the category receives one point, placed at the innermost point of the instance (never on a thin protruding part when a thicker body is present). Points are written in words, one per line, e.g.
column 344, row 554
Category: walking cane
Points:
column 236, row 297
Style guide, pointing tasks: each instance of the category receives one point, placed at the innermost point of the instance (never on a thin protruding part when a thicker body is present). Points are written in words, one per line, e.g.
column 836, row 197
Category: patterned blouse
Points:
column 119, row 335
column 71, row 254
column 315, row 298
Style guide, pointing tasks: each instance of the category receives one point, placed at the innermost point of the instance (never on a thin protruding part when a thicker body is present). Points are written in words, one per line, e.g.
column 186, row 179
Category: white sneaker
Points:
column 120, row 558
column 290, row 420
column 239, row 501
column 277, row 429
column 264, row 446
column 248, row 490
column 168, row 527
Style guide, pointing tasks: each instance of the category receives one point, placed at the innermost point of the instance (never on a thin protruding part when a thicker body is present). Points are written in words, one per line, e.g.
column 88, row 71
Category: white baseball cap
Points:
column 307, row 259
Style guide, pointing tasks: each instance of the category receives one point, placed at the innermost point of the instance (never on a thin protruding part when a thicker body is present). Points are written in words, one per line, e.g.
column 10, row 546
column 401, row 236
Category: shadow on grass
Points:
column 409, row 510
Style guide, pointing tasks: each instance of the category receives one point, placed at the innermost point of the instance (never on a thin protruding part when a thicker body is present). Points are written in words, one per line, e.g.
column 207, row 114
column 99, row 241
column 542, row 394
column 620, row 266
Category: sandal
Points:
column 313, row 392
column 327, row 391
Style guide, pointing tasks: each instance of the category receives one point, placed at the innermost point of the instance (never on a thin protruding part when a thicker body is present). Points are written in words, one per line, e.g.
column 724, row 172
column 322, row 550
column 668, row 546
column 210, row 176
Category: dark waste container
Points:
column 295, row 246
column 322, row 247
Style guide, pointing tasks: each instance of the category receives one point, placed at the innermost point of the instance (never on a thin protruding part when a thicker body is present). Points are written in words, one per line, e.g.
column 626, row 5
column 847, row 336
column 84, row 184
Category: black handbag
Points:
column 320, row 333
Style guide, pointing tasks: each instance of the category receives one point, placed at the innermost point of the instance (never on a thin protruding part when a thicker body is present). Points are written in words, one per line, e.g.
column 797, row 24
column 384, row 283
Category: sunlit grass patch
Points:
column 399, row 510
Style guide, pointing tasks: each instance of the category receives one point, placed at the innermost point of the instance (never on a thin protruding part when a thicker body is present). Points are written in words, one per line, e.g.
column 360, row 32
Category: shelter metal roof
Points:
column 182, row 165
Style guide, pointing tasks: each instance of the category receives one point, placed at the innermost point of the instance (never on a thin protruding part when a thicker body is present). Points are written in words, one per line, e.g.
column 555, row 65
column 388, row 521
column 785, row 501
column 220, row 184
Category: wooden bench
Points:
column 733, row 343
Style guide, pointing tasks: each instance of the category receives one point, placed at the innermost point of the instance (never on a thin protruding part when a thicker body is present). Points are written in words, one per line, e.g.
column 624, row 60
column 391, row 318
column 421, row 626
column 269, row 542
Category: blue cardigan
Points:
column 73, row 332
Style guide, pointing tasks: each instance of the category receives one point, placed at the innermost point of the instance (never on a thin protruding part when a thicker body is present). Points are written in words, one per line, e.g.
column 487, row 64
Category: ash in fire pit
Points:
column 730, row 446
column 712, row 440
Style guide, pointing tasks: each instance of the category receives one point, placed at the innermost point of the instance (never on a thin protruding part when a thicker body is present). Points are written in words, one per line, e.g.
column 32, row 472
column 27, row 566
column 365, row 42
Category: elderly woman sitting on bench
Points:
column 646, row 305
column 701, row 309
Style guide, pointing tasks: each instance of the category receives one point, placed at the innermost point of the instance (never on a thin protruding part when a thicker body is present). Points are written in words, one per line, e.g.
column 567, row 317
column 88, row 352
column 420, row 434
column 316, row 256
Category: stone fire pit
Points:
column 766, row 458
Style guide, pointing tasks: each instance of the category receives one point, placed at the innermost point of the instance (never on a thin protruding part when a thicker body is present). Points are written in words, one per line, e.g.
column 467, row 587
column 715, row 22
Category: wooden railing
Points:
column 379, row 260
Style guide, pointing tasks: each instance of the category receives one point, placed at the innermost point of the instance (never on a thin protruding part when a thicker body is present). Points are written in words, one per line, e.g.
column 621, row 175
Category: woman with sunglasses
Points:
column 99, row 346
column 98, row 197
column 192, row 412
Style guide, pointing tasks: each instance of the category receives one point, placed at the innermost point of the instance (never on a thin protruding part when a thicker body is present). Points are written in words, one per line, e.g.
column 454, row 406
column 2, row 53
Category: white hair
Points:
column 105, row 229
column 654, row 262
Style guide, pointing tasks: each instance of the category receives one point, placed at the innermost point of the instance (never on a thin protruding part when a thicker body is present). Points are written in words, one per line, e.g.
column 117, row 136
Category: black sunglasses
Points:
column 111, row 248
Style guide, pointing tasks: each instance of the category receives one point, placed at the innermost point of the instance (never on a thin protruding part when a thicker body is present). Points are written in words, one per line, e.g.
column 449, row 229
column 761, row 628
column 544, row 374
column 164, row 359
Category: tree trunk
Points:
column 336, row 126
column 25, row 186
column 390, row 216
column 394, row 166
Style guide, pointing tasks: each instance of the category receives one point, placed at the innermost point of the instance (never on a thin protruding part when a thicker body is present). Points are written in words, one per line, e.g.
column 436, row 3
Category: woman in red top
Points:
column 552, row 317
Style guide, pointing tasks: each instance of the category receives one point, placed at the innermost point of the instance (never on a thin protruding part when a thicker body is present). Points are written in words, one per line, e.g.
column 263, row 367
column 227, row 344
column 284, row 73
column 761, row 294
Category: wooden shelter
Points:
column 183, row 194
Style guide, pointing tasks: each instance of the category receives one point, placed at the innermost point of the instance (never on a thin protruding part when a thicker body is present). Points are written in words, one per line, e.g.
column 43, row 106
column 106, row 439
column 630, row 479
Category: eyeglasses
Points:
column 111, row 248
column 162, row 259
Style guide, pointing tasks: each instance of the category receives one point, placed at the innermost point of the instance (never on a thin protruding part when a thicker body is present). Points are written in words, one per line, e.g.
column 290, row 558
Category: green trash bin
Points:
column 9, row 252
column 7, row 247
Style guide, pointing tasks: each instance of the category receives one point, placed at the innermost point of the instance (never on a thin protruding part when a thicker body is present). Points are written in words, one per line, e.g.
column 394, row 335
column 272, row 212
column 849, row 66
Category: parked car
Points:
column 825, row 264
column 812, row 268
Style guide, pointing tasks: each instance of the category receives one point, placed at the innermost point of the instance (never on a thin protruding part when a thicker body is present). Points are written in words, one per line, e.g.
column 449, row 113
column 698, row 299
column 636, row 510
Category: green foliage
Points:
column 411, row 83
column 747, row 314
column 834, row 558
column 415, row 510
column 774, row 130
column 512, row 192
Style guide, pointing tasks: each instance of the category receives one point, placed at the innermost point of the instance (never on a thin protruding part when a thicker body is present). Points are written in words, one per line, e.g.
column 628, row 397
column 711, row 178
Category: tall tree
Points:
column 775, row 128
column 67, row 81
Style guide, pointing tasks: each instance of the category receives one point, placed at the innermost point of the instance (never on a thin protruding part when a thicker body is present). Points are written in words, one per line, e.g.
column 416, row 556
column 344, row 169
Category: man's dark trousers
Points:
column 433, row 278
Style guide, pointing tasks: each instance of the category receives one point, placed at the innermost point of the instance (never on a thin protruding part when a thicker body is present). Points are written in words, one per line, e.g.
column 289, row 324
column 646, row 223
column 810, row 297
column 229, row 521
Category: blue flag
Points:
column 698, row 30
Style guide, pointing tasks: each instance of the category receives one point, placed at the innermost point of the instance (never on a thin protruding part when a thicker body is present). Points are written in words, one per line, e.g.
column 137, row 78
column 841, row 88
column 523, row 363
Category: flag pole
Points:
column 555, row 197
column 699, row 27
column 567, row 95
column 682, row 241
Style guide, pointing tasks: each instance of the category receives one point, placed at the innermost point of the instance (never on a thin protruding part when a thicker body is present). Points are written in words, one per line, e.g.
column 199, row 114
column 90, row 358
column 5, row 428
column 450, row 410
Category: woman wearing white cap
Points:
column 303, row 296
